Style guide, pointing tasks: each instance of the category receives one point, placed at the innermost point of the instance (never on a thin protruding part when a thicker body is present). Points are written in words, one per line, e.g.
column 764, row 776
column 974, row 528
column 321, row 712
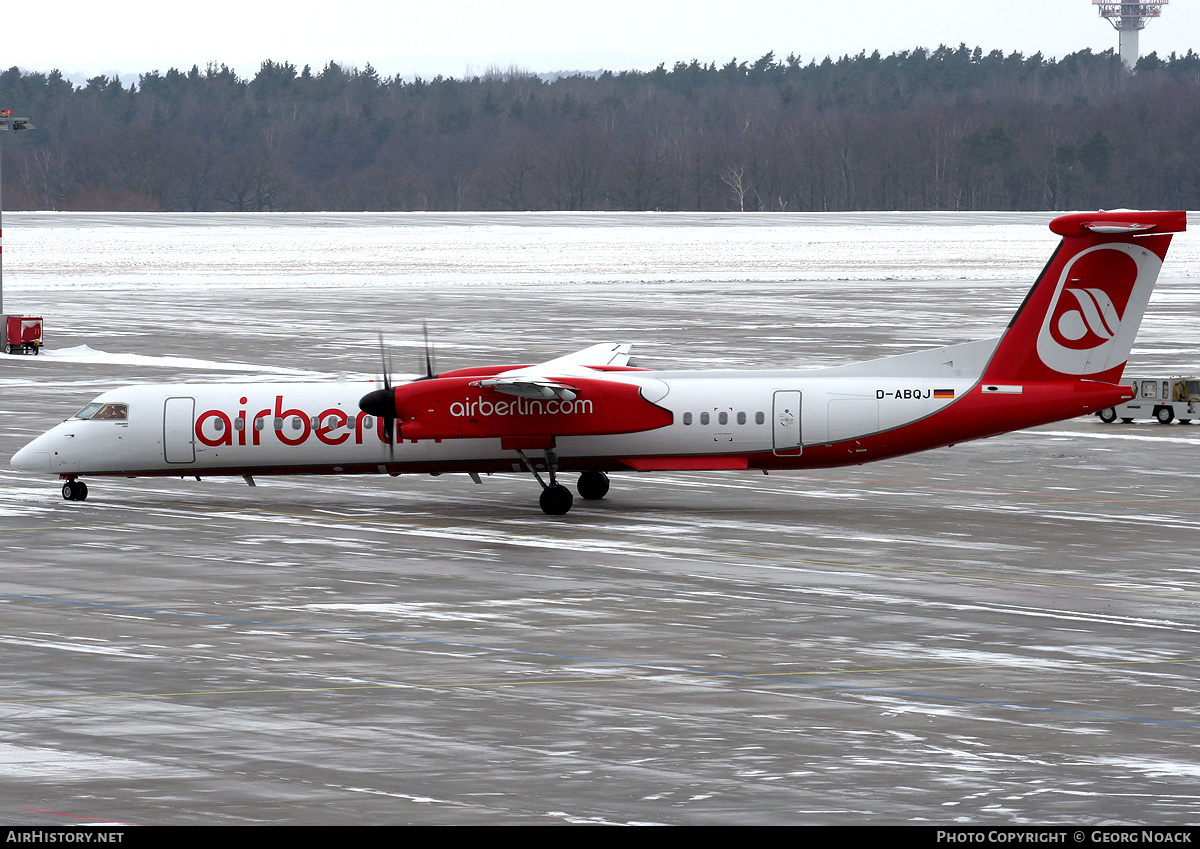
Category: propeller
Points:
column 381, row 403
column 429, row 375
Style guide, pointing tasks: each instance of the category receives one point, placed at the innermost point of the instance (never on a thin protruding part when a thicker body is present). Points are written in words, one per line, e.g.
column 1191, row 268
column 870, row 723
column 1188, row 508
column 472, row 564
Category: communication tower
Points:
column 1129, row 19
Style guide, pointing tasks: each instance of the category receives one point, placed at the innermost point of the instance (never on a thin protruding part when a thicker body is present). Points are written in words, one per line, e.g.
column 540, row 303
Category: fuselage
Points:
column 708, row 420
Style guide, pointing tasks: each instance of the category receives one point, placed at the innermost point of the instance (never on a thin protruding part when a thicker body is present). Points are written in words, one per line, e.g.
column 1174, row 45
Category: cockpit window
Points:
column 104, row 412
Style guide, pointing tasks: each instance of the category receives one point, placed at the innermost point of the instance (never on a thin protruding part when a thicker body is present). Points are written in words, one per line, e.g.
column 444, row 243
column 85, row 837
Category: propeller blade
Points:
column 385, row 363
column 381, row 403
column 428, row 351
column 389, row 427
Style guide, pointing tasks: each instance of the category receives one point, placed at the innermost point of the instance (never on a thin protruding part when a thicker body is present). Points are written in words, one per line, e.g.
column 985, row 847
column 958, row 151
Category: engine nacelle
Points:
column 453, row 408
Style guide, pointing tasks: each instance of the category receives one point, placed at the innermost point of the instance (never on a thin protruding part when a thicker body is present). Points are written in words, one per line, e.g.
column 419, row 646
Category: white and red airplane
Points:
column 590, row 412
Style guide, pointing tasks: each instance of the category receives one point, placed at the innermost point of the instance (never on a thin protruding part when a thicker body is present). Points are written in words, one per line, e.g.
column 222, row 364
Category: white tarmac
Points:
column 1001, row 632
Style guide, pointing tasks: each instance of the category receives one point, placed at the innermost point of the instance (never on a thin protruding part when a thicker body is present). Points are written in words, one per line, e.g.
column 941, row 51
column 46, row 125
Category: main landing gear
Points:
column 593, row 485
column 74, row 490
column 556, row 499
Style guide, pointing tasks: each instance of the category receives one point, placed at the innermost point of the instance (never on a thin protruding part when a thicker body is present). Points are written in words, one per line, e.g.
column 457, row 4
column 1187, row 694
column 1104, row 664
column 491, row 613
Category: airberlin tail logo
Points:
column 1086, row 329
column 1091, row 320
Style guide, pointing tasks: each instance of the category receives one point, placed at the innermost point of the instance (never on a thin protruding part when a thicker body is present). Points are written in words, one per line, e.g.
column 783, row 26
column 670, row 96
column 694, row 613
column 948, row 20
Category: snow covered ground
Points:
column 1000, row 632
column 112, row 278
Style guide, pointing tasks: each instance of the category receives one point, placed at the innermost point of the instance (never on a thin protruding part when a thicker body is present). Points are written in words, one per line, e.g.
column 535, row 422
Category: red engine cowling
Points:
column 451, row 408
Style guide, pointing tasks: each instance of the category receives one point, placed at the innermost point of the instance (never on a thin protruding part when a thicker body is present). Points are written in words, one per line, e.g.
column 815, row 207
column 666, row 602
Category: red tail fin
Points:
column 1081, row 316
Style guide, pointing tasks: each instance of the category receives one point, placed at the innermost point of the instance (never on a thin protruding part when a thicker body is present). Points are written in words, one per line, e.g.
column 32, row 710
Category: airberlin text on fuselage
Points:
column 481, row 407
column 334, row 426
column 291, row 426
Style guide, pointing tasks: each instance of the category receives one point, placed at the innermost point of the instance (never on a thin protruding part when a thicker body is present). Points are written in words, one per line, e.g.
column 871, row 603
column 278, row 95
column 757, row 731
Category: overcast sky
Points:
column 89, row 37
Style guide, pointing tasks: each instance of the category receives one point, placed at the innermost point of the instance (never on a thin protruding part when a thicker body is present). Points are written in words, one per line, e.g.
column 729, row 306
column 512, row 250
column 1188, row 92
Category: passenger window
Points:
column 687, row 418
column 278, row 423
column 759, row 417
column 741, row 418
column 704, row 418
column 218, row 425
column 297, row 423
column 239, row 424
column 259, row 423
column 723, row 417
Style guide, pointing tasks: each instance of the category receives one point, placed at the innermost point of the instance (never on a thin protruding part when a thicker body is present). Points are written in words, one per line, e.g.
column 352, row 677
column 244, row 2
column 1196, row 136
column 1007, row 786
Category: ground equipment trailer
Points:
column 1163, row 398
column 22, row 333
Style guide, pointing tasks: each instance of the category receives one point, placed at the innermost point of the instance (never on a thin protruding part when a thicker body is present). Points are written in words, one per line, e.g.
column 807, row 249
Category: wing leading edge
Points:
column 544, row 380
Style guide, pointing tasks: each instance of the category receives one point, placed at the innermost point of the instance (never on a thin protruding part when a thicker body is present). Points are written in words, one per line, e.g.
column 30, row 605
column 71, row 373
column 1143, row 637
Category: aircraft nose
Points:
column 34, row 457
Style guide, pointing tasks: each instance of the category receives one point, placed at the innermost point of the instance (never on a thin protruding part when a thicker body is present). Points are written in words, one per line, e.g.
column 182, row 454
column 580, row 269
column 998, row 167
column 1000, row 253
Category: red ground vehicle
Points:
column 22, row 333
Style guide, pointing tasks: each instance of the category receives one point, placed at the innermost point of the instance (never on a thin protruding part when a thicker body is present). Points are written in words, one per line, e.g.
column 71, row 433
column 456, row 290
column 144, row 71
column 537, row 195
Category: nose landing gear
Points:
column 75, row 490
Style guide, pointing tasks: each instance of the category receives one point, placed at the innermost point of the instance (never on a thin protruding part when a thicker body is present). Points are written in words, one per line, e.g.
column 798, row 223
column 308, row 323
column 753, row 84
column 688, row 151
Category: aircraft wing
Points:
column 579, row 363
column 544, row 379
column 604, row 354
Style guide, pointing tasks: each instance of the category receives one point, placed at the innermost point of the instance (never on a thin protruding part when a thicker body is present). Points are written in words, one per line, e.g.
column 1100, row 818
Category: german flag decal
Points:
column 943, row 393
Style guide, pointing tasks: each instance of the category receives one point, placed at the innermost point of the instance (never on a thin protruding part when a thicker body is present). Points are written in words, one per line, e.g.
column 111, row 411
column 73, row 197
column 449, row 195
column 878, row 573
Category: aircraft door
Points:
column 786, row 423
column 179, row 437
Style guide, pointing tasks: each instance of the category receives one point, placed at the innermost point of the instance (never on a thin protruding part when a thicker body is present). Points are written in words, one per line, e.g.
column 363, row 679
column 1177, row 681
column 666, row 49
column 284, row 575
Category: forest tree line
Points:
column 944, row 129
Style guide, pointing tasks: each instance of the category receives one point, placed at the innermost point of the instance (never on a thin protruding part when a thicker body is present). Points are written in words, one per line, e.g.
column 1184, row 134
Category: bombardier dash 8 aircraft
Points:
column 590, row 412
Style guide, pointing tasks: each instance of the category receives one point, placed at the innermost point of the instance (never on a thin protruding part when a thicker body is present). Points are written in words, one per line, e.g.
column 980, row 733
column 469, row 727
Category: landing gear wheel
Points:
column 1108, row 416
column 593, row 485
column 556, row 500
column 75, row 491
column 1165, row 415
column 8, row 349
